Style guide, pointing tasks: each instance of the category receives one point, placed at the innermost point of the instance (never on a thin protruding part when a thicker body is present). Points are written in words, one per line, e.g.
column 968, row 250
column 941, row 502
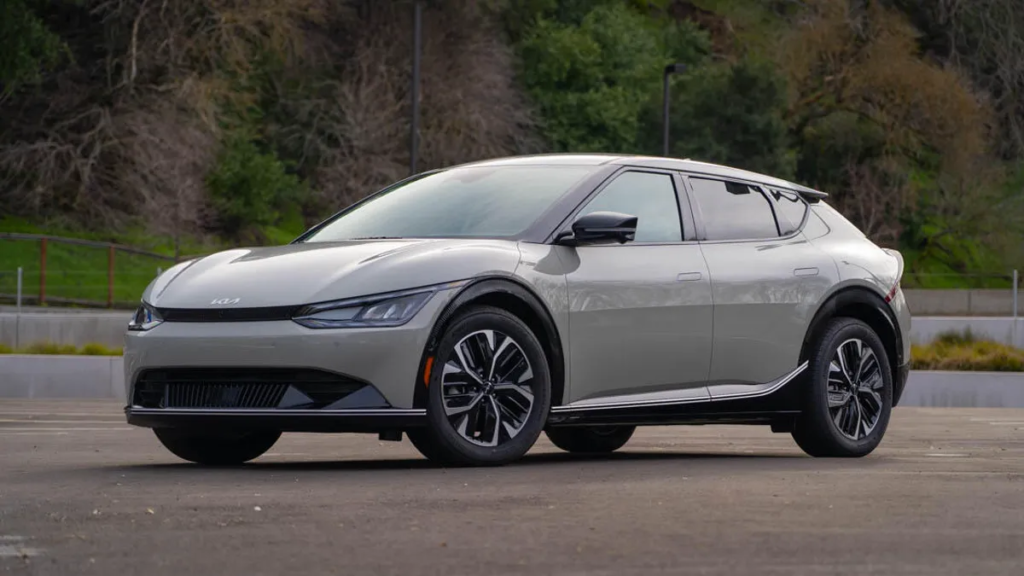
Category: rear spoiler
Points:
column 809, row 194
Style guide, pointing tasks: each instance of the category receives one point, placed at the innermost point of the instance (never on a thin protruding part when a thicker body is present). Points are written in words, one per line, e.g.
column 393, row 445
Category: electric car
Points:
column 473, row 308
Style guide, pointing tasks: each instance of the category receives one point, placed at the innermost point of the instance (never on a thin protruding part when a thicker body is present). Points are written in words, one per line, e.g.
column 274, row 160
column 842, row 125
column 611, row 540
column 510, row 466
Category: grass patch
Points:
column 964, row 351
column 75, row 272
column 81, row 272
column 51, row 349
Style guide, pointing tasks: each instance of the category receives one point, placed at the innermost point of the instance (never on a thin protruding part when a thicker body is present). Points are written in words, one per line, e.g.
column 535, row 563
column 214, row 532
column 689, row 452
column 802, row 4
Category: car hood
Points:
column 318, row 272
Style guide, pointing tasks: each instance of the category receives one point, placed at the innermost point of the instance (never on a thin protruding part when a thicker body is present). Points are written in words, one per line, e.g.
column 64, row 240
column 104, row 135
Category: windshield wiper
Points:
column 377, row 238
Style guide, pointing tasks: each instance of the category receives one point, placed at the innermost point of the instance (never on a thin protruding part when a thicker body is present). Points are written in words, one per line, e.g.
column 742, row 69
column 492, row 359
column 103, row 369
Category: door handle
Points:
column 805, row 272
column 689, row 277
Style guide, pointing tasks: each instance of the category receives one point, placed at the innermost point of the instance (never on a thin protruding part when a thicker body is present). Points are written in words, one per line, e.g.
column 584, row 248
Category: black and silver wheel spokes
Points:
column 854, row 384
column 487, row 388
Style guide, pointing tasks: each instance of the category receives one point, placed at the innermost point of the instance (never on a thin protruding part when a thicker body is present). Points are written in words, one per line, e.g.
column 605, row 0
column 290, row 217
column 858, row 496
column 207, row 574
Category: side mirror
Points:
column 601, row 227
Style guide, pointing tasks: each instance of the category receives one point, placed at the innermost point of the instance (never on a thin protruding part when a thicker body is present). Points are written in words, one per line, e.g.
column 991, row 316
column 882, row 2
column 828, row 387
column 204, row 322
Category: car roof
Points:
column 687, row 165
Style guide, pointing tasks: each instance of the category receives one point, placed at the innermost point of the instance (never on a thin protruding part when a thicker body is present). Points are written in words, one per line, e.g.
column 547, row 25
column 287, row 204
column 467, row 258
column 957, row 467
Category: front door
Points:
column 640, row 313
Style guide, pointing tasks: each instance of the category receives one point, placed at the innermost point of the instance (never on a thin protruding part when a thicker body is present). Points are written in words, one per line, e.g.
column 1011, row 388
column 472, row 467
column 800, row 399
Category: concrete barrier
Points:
column 964, row 389
column 961, row 302
column 76, row 328
column 23, row 376
column 39, row 376
column 1008, row 331
column 107, row 328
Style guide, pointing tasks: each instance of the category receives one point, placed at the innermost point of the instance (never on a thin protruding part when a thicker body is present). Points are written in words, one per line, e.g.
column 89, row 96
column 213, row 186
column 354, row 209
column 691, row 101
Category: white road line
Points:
column 11, row 538
column 104, row 414
column 1006, row 423
column 28, row 421
column 29, row 430
column 7, row 551
column 996, row 419
column 947, row 455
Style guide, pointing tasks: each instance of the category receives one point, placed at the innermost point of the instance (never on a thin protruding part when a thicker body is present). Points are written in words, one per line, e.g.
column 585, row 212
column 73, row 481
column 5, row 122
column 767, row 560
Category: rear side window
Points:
column 815, row 226
column 733, row 211
column 789, row 210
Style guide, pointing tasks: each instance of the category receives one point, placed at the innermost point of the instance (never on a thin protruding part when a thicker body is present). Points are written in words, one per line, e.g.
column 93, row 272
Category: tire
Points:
column 491, row 376
column 838, row 421
column 216, row 449
column 423, row 442
column 591, row 439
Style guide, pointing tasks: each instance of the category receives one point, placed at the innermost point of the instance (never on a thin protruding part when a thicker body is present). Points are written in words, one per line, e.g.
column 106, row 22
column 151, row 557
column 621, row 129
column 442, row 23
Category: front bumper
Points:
column 361, row 420
column 388, row 359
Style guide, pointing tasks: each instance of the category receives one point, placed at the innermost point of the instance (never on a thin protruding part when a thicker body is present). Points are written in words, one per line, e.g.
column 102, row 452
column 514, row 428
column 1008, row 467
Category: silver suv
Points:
column 473, row 308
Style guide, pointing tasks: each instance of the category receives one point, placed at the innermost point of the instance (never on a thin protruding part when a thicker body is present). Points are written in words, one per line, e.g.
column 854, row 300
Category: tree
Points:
column 27, row 46
column 732, row 114
column 593, row 82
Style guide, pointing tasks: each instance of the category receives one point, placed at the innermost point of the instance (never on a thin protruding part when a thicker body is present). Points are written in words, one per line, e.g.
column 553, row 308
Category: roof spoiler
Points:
column 809, row 194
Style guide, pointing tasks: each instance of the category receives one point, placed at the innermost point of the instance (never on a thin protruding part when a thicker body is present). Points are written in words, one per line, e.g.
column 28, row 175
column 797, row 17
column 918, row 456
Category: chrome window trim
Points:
column 698, row 215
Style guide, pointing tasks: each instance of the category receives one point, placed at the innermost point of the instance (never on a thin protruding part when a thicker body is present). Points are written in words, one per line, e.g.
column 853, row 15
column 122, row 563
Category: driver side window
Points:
column 648, row 196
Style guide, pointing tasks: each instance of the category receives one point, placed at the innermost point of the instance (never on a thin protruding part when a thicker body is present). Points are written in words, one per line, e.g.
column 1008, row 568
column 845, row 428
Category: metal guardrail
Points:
column 115, row 287
column 89, row 288
column 44, row 239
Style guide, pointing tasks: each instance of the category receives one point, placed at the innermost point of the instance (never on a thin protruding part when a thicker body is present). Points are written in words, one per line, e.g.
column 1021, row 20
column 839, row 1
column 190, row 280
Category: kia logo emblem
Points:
column 225, row 301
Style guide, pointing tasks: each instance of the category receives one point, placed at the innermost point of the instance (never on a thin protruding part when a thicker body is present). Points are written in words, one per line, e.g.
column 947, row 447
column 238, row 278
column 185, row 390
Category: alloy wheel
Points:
column 487, row 388
column 854, row 389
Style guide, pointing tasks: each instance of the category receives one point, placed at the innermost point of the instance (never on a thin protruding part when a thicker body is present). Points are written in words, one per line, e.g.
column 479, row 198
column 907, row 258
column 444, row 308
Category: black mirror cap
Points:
column 599, row 227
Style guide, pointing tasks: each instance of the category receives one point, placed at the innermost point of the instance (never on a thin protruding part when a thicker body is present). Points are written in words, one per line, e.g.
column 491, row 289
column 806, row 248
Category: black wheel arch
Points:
column 867, row 306
column 516, row 298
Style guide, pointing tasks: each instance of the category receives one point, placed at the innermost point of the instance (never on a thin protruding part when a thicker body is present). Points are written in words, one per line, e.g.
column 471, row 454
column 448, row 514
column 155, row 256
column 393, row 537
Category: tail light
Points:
column 899, row 273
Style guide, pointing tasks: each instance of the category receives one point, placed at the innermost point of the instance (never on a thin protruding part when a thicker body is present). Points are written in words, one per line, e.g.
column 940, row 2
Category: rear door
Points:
column 766, row 279
column 640, row 312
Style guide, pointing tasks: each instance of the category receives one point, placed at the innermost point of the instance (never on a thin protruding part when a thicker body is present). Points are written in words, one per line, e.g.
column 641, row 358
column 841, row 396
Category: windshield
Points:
column 483, row 201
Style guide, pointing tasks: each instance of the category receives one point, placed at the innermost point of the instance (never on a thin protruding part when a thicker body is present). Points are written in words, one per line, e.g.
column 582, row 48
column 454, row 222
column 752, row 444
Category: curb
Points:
column 42, row 376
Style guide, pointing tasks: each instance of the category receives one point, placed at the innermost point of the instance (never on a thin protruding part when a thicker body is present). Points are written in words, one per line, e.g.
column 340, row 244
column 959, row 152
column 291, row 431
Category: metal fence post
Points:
column 414, row 132
column 42, row 272
column 1016, row 279
column 110, row 276
column 17, row 317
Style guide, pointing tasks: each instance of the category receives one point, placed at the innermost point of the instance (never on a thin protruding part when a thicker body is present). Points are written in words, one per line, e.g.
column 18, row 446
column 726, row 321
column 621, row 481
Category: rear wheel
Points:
column 591, row 439
column 850, row 392
column 222, row 449
column 489, row 391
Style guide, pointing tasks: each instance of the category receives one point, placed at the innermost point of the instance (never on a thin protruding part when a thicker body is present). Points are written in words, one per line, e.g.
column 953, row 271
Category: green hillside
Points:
column 223, row 122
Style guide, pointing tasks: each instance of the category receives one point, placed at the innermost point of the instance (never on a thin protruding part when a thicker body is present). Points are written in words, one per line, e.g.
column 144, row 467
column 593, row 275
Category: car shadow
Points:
column 531, row 460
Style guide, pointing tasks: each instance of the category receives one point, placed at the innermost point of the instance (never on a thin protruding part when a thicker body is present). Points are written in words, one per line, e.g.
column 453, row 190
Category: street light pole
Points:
column 669, row 70
column 417, row 35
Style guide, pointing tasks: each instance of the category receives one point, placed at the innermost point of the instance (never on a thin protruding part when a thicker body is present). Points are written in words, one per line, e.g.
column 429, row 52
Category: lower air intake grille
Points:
column 225, row 395
column 241, row 388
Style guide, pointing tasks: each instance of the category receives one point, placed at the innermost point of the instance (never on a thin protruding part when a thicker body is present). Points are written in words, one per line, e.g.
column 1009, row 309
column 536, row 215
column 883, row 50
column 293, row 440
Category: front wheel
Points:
column 850, row 386
column 489, row 391
column 591, row 439
column 226, row 449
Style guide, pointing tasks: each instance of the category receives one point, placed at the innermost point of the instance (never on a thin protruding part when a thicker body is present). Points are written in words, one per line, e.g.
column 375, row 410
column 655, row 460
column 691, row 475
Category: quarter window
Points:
column 733, row 211
column 648, row 196
column 790, row 210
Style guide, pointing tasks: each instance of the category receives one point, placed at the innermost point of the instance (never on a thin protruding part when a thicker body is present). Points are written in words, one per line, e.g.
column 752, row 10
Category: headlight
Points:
column 392, row 309
column 145, row 318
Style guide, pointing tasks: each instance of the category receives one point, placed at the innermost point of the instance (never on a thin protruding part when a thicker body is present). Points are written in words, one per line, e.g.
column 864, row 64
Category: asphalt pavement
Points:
column 83, row 493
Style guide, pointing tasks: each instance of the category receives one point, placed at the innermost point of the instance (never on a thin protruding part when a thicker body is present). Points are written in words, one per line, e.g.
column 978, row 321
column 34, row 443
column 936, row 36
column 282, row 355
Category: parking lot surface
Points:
column 83, row 493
